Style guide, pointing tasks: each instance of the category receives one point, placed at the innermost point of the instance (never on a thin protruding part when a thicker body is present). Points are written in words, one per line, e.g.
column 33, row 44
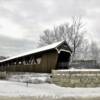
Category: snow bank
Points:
column 73, row 69
column 13, row 89
column 35, row 78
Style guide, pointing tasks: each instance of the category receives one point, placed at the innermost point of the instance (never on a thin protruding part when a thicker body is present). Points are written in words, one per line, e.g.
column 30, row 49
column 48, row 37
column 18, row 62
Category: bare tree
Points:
column 94, row 50
column 57, row 34
column 73, row 34
column 83, row 52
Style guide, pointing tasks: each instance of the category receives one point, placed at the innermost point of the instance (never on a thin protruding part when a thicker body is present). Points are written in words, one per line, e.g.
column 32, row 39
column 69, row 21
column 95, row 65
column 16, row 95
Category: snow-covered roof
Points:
column 45, row 48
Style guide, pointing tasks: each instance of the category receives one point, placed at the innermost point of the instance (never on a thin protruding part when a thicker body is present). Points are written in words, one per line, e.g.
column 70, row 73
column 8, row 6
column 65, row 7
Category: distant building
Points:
column 86, row 64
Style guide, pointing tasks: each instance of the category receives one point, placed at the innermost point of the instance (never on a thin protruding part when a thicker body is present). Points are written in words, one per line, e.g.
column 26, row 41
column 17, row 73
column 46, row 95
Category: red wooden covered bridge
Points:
column 44, row 59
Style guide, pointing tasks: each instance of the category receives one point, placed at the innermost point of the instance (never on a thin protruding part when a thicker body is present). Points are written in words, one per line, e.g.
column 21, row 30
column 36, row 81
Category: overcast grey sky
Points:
column 22, row 21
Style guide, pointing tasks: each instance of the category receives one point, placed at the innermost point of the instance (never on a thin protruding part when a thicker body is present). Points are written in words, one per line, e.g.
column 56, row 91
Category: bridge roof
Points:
column 38, row 50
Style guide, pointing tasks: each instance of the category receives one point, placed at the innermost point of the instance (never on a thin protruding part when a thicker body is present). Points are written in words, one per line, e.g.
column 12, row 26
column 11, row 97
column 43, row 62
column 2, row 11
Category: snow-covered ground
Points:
column 34, row 78
column 14, row 89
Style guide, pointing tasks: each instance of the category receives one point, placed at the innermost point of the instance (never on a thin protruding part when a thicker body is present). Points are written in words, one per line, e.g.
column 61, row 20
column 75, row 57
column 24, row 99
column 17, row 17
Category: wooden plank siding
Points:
column 48, row 62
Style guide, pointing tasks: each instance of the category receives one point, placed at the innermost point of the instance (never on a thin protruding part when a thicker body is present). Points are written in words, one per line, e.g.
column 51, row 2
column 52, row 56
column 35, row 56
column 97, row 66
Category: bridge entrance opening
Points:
column 63, row 60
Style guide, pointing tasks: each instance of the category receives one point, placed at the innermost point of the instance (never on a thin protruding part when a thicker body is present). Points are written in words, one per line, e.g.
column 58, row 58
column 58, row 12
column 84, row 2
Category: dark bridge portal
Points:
column 63, row 60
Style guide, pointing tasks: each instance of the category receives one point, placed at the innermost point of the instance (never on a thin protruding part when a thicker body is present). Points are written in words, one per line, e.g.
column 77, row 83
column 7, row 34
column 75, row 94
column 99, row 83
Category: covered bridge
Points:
column 44, row 59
